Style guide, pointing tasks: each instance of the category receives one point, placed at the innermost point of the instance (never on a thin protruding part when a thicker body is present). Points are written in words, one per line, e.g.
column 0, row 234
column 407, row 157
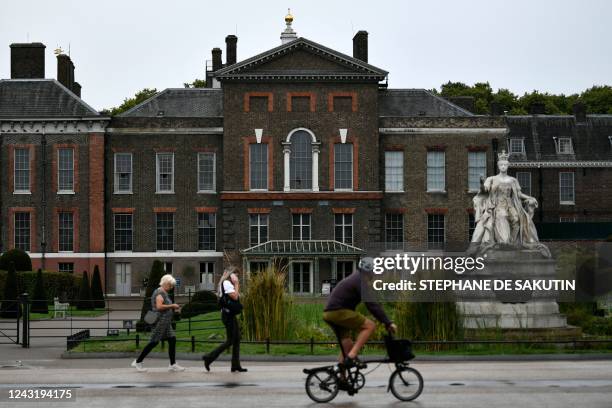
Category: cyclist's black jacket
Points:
column 347, row 295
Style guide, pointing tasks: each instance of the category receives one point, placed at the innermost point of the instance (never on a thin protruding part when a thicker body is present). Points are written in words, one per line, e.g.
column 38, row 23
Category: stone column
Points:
column 287, row 154
column 316, row 149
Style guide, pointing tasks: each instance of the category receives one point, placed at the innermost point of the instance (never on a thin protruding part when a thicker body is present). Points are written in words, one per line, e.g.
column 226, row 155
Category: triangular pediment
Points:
column 301, row 59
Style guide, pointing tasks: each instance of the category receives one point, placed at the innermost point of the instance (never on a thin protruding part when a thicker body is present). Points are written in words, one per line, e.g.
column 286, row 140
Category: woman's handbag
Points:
column 226, row 302
column 151, row 317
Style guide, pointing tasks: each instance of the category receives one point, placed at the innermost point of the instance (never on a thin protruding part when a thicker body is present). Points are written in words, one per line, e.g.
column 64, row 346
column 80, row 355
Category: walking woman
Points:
column 229, row 292
column 161, row 303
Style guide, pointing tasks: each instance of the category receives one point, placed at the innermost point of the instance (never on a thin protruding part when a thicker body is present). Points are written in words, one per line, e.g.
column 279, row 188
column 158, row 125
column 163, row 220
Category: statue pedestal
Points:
column 511, row 309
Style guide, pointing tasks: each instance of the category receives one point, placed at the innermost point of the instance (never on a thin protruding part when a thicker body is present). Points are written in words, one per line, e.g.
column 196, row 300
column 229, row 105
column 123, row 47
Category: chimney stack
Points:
column 216, row 57
column 76, row 89
column 360, row 46
column 230, row 49
column 580, row 112
column 537, row 108
column 27, row 60
column 65, row 71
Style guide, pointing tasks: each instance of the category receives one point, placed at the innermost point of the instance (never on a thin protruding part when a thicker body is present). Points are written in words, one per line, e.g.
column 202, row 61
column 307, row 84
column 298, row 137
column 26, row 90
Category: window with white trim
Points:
column 394, row 231
column 567, row 218
column 164, row 222
column 477, row 168
column 65, row 170
column 22, row 237
column 300, row 161
column 124, row 233
column 207, row 231
column 67, row 267
column 165, row 172
column 524, row 180
column 123, row 172
column 394, row 171
column 566, row 188
column 436, row 171
column 343, row 166
column 258, row 166
column 300, row 230
column 516, row 146
column 21, row 170
column 65, row 223
column 206, row 172
column 258, row 228
column 343, row 228
column 564, row 145
column 436, row 231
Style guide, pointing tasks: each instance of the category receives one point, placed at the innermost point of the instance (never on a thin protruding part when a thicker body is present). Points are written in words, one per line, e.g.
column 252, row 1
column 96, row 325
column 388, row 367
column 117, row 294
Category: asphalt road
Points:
column 111, row 383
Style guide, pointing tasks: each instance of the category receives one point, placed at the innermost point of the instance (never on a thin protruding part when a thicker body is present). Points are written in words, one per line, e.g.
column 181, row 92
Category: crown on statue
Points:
column 503, row 156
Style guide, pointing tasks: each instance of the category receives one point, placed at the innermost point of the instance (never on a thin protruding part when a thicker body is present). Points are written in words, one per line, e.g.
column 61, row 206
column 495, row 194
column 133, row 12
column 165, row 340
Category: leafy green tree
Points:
column 10, row 306
column 97, row 295
column 20, row 258
column 129, row 103
column 39, row 298
column 197, row 83
column 598, row 99
column 84, row 301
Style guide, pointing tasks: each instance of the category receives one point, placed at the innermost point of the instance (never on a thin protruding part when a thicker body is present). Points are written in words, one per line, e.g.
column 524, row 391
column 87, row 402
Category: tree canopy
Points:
column 129, row 103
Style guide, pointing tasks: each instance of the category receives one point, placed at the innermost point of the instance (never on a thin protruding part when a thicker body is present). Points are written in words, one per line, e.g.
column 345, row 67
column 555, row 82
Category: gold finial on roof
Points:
column 288, row 17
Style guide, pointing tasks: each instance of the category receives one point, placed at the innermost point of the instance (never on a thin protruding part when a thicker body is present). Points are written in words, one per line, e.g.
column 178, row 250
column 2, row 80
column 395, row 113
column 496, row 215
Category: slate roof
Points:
column 590, row 139
column 180, row 102
column 416, row 102
column 40, row 98
column 353, row 67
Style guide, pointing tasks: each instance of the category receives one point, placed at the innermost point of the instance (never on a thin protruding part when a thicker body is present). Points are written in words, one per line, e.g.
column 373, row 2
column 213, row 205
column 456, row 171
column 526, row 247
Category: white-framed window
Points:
column 65, row 170
column 207, row 231
column 258, row 166
column 207, row 275
column 165, row 172
column 65, row 223
column 343, row 166
column 394, row 171
column 164, row 222
column 206, row 172
column 436, row 236
column 124, row 232
column 436, row 177
column 300, row 161
column 524, row 180
column 343, row 228
column 22, row 236
column 123, row 173
column 394, row 231
column 300, row 230
column 566, row 188
column 564, row 145
column 21, row 157
column 66, row 267
column 258, row 228
column 516, row 145
column 477, row 168
column 301, row 277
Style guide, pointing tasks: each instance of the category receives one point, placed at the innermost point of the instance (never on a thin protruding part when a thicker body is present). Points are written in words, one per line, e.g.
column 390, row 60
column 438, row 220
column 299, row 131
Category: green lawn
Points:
column 72, row 311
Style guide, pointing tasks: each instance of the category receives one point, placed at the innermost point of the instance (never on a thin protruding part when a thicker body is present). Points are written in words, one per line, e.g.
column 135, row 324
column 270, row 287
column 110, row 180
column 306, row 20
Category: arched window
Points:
column 300, row 161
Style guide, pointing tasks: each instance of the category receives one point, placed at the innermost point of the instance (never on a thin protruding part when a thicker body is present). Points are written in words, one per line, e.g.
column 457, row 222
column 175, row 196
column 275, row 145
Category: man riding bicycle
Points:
column 341, row 315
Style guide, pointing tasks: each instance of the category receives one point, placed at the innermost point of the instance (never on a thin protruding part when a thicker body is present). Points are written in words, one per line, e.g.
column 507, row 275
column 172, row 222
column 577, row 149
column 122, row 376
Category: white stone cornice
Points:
column 53, row 126
column 562, row 164
column 451, row 131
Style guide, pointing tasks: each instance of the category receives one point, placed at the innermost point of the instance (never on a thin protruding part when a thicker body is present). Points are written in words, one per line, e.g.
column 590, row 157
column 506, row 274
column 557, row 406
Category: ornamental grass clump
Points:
column 266, row 305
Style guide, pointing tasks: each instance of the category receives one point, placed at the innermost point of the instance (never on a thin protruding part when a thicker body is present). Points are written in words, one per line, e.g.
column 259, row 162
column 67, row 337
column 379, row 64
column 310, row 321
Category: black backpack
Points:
column 226, row 302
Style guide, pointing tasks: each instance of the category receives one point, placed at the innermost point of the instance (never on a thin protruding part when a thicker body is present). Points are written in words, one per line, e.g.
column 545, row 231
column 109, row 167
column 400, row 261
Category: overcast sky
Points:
column 120, row 47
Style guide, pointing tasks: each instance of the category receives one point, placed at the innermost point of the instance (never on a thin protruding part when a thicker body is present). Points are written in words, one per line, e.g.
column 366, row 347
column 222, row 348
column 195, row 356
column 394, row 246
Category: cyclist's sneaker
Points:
column 354, row 362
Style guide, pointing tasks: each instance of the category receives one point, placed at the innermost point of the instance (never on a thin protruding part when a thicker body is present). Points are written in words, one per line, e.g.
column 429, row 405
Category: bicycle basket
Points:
column 399, row 350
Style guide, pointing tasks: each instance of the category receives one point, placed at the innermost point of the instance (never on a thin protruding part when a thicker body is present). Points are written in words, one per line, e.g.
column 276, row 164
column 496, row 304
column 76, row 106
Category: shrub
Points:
column 157, row 271
column 57, row 284
column 20, row 258
column 10, row 306
column 201, row 302
column 428, row 321
column 39, row 297
column 84, row 301
column 97, row 295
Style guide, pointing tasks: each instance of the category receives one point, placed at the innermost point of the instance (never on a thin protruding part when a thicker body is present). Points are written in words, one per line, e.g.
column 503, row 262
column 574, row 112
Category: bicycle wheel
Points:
column 322, row 385
column 406, row 383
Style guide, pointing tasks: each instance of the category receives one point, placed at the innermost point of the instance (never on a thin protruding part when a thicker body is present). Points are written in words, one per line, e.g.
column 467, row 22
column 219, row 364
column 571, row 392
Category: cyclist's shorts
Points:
column 344, row 320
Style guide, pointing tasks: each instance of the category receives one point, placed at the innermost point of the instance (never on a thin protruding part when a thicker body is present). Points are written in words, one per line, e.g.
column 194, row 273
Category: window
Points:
column 343, row 228
column 124, row 232
column 343, row 103
column 65, row 170
column 567, row 218
column 394, row 171
column 22, row 170
column 65, row 222
column 301, row 227
column 67, row 267
column 477, row 168
column 207, row 275
column 258, row 228
column 22, row 231
column 566, row 188
column 123, row 172
column 168, row 267
column 564, row 145
column 258, row 104
column 165, row 172
column 471, row 226
column 258, row 266
column 300, row 167
column 300, row 103
column 258, row 166
column 516, row 146
column 436, row 171
column 343, row 166
column 435, row 231
column 301, row 277
column 165, row 231
column 343, row 269
column 206, row 172
column 524, row 179
column 207, row 227
column 394, row 231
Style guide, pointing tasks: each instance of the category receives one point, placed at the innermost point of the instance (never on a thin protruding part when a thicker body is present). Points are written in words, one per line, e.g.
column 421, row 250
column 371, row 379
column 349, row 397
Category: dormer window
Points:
column 516, row 146
column 564, row 145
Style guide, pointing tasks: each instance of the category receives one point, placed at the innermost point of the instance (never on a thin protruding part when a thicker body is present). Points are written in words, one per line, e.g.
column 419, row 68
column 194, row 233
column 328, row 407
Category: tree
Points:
column 97, row 295
column 129, row 103
column 598, row 99
column 84, row 301
column 20, row 258
column 10, row 306
column 39, row 298
column 197, row 83
column 157, row 271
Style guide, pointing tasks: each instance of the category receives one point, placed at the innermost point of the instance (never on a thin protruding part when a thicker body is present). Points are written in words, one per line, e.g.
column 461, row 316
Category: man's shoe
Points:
column 207, row 362
column 239, row 369
column 175, row 367
column 138, row 366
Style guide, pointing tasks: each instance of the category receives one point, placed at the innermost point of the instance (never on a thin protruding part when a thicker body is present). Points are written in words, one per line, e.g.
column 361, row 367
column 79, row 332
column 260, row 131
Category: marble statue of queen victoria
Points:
column 504, row 215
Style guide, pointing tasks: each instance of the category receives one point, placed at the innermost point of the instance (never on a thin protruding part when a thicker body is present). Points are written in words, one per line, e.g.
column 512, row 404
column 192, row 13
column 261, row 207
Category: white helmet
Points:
column 366, row 264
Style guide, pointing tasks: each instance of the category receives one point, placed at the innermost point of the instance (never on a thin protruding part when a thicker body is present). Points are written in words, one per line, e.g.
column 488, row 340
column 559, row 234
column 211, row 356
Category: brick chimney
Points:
column 65, row 71
column 27, row 60
column 580, row 112
column 216, row 58
column 360, row 46
column 76, row 89
column 230, row 49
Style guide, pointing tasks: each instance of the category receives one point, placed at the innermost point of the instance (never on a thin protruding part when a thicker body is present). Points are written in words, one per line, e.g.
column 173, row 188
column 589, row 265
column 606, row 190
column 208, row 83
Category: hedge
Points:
column 57, row 284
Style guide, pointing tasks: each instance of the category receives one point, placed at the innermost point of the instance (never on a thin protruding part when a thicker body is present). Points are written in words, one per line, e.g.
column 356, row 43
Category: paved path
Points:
column 104, row 383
